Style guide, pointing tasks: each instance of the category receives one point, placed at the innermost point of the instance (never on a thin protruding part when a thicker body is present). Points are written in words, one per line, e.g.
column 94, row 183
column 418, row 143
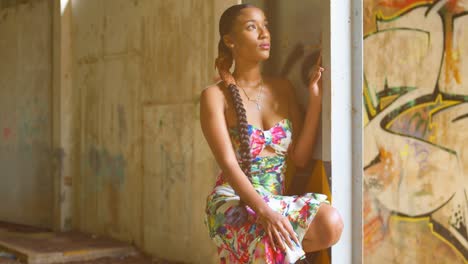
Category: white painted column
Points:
column 345, row 115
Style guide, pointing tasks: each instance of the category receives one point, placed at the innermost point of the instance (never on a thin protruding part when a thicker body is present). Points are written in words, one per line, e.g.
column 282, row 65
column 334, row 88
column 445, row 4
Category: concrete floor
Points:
column 140, row 259
column 24, row 244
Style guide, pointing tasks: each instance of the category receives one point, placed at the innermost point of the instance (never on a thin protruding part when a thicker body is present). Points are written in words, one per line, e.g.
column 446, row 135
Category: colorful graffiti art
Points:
column 415, row 99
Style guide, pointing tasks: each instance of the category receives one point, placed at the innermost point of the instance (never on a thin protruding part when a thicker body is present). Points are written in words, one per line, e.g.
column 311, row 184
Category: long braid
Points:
column 223, row 64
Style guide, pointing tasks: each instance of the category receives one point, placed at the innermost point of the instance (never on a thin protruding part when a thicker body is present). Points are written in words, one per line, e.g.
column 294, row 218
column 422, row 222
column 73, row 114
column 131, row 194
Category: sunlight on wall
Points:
column 63, row 5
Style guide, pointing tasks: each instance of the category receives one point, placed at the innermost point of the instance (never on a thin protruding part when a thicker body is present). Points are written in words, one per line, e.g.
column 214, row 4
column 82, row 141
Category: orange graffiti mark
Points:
column 454, row 7
column 373, row 234
column 451, row 60
column 383, row 173
column 368, row 210
column 403, row 4
column 390, row 9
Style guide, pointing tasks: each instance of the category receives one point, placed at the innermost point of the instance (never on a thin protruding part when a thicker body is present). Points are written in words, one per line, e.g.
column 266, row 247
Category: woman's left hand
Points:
column 315, row 75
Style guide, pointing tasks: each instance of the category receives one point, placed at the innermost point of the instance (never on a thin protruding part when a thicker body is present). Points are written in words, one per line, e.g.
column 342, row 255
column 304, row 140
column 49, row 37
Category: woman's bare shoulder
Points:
column 213, row 94
column 215, row 89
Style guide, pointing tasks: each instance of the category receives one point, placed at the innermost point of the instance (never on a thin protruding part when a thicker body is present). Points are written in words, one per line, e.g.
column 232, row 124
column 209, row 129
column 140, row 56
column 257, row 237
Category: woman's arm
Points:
column 214, row 128
column 305, row 130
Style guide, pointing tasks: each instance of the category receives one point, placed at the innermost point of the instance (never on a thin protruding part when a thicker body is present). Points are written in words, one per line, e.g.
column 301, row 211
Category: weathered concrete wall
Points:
column 145, row 168
column 415, row 140
column 26, row 189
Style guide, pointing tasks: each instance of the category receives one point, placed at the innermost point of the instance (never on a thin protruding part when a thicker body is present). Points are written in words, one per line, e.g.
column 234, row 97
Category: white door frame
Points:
column 345, row 116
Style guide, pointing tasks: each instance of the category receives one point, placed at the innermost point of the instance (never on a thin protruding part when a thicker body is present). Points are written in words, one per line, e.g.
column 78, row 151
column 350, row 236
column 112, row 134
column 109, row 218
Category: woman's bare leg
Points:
column 324, row 230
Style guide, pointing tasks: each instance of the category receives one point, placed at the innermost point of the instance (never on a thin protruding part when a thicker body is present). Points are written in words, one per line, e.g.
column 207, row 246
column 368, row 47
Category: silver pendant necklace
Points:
column 256, row 101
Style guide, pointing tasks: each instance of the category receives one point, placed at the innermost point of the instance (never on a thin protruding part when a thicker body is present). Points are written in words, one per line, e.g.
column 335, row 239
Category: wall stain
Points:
column 6, row 133
column 107, row 167
column 122, row 123
column 58, row 157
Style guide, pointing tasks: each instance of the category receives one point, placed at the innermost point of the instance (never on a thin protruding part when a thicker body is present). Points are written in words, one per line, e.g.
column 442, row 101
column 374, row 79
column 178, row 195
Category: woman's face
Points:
column 250, row 38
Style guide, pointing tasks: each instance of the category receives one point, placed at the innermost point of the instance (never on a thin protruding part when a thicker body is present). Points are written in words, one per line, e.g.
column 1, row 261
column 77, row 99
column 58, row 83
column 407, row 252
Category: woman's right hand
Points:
column 277, row 227
column 315, row 75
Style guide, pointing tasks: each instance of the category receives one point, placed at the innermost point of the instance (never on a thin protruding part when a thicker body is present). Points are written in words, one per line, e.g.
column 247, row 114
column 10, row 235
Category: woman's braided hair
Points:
column 223, row 63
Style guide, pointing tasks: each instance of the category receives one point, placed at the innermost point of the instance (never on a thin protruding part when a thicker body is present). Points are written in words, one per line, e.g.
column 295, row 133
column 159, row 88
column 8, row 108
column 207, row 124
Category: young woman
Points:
column 252, row 123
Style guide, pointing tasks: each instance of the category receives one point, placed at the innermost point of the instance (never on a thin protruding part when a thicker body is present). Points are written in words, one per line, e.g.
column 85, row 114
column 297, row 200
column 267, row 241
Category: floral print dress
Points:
column 232, row 224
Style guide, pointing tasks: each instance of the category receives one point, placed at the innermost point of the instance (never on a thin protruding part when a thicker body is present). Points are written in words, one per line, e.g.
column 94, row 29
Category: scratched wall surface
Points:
column 168, row 170
column 25, row 115
column 415, row 139
column 145, row 168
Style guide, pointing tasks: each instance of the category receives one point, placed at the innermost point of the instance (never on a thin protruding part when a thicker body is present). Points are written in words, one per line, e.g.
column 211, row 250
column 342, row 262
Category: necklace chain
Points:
column 257, row 99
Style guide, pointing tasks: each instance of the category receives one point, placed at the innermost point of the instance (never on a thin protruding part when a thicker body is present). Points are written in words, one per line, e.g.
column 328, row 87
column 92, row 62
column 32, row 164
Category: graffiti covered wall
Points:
column 415, row 131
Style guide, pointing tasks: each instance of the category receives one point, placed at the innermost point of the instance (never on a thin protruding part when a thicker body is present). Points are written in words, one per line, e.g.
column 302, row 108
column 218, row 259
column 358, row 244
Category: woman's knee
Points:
column 329, row 225
column 332, row 224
